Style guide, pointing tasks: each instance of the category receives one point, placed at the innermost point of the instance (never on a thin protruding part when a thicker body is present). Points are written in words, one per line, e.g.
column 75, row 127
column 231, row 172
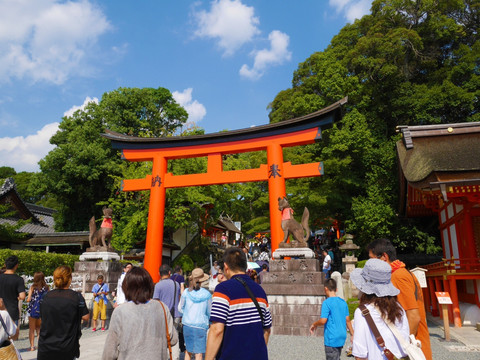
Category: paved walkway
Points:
column 465, row 345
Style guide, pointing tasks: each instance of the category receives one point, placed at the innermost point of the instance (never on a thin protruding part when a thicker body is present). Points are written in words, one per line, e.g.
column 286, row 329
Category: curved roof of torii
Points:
column 321, row 117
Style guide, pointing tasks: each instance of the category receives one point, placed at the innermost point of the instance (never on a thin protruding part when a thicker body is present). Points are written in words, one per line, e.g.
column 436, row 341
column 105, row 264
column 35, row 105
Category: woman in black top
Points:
column 62, row 311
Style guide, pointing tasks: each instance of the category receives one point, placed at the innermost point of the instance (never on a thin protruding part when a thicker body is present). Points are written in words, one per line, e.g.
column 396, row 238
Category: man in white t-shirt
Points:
column 327, row 260
column 120, row 294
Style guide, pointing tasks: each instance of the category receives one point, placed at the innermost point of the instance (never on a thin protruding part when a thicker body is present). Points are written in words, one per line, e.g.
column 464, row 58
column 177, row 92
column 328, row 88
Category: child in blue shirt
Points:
column 335, row 317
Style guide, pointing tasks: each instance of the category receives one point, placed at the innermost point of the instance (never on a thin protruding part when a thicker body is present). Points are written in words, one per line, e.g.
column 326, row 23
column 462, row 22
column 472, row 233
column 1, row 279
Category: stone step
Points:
column 293, row 277
column 294, row 289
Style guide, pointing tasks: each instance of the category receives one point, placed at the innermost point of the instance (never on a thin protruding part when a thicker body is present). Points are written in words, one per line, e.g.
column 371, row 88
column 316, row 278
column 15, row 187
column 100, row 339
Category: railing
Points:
column 454, row 266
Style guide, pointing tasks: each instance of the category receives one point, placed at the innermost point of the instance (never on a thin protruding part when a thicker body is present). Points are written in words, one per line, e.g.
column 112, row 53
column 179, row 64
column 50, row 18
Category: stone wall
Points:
column 295, row 294
column 88, row 272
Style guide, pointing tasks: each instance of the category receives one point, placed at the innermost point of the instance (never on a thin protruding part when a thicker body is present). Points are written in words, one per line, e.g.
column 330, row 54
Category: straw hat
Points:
column 374, row 278
column 199, row 275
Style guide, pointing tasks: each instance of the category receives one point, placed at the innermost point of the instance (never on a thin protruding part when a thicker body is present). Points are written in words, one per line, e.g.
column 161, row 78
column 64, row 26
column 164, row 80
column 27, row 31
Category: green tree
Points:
column 8, row 232
column 81, row 170
column 408, row 63
column 6, row 171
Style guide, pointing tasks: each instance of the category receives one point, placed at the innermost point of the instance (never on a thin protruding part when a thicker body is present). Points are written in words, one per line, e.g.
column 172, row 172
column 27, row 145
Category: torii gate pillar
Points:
column 276, row 189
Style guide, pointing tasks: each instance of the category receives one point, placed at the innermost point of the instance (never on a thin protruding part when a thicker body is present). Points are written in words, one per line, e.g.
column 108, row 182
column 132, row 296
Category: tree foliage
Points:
column 408, row 63
column 81, row 170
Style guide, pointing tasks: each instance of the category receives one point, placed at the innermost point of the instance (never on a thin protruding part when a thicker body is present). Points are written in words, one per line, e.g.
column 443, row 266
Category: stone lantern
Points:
column 349, row 261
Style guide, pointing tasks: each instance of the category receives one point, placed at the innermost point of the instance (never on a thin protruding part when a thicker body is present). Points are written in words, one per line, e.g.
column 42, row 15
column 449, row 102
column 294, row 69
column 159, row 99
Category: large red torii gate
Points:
column 272, row 138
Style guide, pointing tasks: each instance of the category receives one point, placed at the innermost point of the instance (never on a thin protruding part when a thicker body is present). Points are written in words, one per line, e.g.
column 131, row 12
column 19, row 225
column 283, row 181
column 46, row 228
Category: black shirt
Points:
column 11, row 285
column 61, row 312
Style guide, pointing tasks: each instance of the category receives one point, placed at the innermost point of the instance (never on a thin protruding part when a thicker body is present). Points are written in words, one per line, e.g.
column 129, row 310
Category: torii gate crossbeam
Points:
column 272, row 138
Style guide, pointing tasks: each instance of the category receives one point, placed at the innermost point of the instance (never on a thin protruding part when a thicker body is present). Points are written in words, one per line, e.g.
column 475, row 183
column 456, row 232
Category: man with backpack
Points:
column 168, row 292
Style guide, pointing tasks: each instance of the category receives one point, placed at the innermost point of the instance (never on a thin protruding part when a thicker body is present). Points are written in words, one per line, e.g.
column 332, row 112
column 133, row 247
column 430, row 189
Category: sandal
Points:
column 33, row 348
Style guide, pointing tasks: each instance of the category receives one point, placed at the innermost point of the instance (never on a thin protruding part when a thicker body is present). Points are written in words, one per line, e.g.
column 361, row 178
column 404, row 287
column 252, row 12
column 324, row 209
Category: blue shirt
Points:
column 335, row 310
column 168, row 292
column 243, row 332
column 101, row 288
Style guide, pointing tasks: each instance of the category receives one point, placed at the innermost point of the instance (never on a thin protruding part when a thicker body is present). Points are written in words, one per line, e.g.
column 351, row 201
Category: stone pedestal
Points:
column 302, row 253
column 99, row 255
column 295, row 294
column 85, row 275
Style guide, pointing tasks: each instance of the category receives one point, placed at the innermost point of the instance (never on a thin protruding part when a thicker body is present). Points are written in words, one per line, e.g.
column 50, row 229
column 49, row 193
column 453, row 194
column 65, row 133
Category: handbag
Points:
column 8, row 351
column 167, row 332
column 412, row 348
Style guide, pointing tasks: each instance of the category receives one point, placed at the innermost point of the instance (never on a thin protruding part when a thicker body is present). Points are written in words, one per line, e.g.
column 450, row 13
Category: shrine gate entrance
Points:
column 272, row 138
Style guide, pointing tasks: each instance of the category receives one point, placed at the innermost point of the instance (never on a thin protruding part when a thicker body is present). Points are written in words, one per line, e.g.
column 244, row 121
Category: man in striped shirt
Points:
column 240, row 328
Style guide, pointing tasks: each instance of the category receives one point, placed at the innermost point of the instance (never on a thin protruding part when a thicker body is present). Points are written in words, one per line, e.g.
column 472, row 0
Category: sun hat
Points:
column 374, row 278
column 199, row 275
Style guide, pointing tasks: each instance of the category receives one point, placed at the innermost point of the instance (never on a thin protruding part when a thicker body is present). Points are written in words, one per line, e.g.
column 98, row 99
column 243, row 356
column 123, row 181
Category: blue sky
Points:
column 223, row 60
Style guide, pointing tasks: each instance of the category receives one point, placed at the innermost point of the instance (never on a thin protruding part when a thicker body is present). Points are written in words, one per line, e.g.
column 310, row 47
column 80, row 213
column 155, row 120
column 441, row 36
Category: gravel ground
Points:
column 282, row 347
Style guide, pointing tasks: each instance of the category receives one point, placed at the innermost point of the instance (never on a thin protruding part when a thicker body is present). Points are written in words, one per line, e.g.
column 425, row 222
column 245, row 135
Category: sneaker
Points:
column 94, row 329
column 103, row 329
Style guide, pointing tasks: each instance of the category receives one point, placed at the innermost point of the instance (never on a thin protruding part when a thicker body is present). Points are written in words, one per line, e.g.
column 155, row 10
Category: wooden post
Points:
column 446, row 323
column 444, row 300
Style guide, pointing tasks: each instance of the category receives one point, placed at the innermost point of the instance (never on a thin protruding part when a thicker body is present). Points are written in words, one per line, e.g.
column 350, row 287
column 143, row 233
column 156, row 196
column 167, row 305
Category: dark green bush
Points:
column 185, row 262
column 32, row 261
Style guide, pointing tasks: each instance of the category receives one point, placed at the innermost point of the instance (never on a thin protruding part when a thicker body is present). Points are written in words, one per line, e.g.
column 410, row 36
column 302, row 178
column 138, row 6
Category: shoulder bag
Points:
column 412, row 348
column 250, row 293
column 376, row 333
column 8, row 351
column 167, row 332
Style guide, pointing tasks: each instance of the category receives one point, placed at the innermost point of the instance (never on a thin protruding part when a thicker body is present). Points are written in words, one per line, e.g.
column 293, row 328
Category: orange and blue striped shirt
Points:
column 243, row 333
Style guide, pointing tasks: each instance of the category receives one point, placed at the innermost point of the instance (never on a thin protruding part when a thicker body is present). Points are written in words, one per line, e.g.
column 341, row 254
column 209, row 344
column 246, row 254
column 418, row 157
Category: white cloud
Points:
column 47, row 40
column 276, row 55
column 74, row 108
column 195, row 110
column 24, row 153
column 351, row 9
column 230, row 22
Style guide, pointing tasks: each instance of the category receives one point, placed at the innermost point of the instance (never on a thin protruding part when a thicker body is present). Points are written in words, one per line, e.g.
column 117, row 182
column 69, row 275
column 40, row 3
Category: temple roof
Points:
column 434, row 155
column 41, row 217
column 321, row 117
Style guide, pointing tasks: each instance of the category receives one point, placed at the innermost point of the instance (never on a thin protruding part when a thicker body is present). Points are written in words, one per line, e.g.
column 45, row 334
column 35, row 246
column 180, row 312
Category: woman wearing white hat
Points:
column 195, row 304
column 379, row 296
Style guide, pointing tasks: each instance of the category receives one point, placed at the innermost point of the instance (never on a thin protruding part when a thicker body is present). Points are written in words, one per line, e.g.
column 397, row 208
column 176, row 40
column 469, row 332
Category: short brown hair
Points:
column 138, row 285
column 235, row 258
column 62, row 276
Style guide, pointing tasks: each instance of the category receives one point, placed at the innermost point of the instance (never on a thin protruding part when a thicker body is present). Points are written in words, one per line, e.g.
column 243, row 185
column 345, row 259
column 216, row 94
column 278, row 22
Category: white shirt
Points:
column 11, row 327
column 364, row 343
column 326, row 262
column 120, row 294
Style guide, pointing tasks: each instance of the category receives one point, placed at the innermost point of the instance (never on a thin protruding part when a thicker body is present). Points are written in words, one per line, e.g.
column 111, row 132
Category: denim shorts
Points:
column 195, row 339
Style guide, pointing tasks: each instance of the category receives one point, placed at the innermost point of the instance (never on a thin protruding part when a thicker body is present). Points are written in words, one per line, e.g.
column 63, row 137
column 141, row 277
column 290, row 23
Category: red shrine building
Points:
column 439, row 169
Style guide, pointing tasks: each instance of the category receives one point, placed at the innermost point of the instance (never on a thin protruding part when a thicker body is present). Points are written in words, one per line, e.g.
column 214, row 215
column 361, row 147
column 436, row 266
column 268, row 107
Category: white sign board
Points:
column 420, row 275
column 443, row 298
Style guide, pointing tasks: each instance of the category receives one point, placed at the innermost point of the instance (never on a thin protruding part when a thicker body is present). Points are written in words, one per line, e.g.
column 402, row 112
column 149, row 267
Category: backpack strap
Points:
column 250, row 293
column 416, row 288
column 376, row 333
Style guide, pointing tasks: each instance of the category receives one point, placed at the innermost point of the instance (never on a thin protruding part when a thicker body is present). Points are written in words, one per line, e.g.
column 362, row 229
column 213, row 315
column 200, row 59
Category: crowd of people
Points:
column 179, row 315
